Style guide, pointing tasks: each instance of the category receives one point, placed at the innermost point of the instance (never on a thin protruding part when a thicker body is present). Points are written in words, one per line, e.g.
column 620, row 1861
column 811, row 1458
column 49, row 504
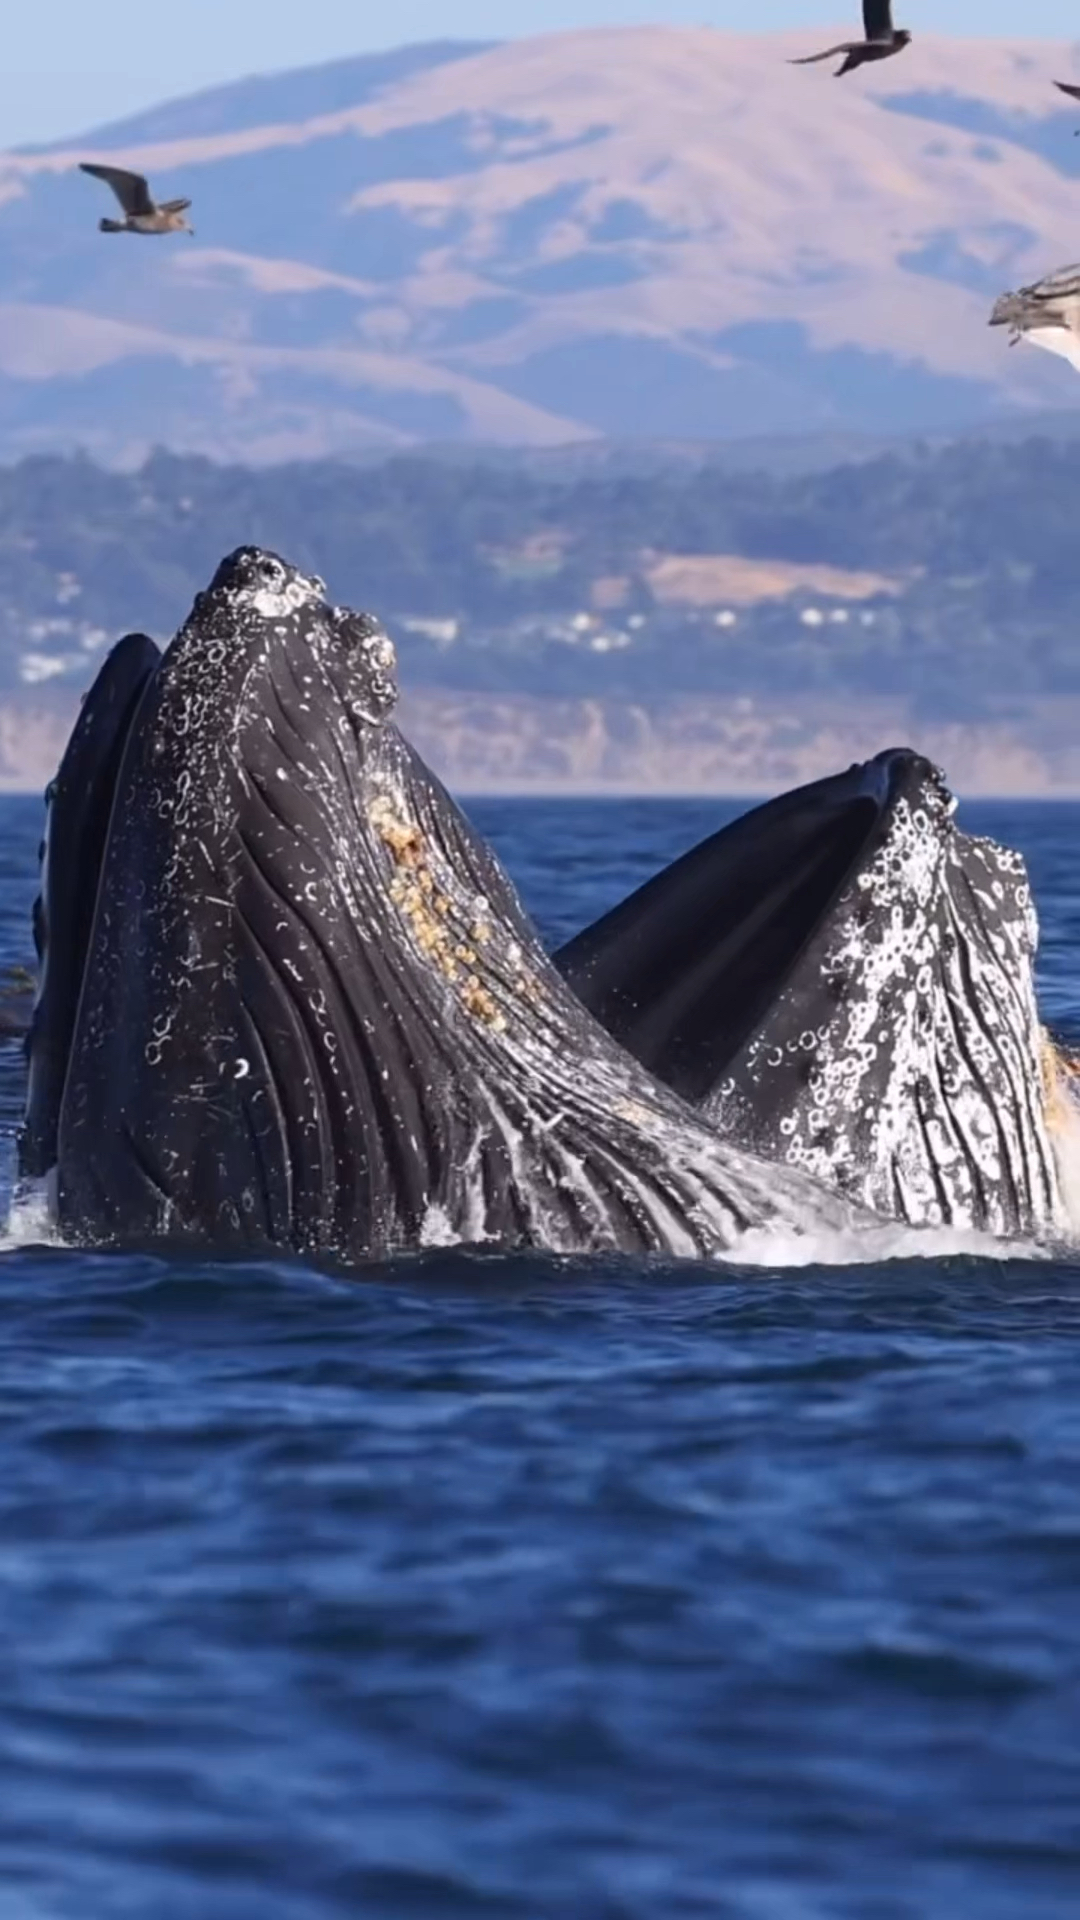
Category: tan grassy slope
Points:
column 664, row 231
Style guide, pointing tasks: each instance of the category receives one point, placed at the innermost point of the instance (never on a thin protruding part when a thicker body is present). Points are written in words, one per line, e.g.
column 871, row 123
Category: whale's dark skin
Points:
column 80, row 806
column 313, row 1015
column 842, row 980
column 686, row 968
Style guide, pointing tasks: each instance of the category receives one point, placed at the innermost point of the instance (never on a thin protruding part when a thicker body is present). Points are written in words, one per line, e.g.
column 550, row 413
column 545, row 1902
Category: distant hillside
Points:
column 945, row 577
column 640, row 232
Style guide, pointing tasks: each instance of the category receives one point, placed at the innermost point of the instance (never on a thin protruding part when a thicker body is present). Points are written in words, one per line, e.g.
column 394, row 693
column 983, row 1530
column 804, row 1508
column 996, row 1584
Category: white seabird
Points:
column 1047, row 314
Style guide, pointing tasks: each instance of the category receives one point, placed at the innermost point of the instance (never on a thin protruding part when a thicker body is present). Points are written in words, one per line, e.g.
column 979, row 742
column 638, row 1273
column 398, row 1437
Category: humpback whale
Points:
column 290, row 1001
column 843, row 981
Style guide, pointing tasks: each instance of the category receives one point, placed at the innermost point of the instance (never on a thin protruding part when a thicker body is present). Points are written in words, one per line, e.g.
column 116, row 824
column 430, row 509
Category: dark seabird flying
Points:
column 141, row 212
column 1073, row 92
column 881, row 39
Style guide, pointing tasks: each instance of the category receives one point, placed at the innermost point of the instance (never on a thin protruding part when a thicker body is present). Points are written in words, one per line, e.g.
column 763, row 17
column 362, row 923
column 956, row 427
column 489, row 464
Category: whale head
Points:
column 304, row 1007
column 843, row 980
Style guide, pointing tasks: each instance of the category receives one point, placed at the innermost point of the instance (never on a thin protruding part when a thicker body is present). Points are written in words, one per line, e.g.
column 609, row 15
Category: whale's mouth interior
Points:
column 685, row 970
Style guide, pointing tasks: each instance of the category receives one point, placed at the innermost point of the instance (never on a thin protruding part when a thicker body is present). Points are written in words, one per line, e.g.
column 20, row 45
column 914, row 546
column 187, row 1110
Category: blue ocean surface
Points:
column 507, row 1588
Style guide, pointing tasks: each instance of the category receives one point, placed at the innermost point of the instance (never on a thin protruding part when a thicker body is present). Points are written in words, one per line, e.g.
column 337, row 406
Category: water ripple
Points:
column 540, row 1588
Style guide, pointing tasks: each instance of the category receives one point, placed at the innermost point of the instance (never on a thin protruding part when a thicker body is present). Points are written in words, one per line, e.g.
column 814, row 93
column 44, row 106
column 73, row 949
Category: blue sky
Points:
column 71, row 64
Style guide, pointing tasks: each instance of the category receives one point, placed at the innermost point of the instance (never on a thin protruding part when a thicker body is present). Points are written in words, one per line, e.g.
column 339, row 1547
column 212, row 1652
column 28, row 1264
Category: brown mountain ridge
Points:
column 634, row 232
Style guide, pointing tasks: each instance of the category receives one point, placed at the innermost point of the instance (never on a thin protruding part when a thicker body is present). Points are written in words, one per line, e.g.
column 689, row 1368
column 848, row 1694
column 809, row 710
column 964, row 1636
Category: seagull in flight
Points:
column 881, row 39
column 1047, row 314
column 141, row 213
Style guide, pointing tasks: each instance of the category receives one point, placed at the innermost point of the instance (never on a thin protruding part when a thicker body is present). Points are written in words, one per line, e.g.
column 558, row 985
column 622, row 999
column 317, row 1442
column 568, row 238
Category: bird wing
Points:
column 1064, row 87
column 130, row 188
column 1055, row 288
column 175, row 206
column 830, row 53
column 877, row 19
column 1059, row 340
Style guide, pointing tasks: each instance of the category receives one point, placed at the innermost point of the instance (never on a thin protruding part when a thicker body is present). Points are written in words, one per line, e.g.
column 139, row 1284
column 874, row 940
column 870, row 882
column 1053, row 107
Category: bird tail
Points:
column 110, row 226
column 811, row 59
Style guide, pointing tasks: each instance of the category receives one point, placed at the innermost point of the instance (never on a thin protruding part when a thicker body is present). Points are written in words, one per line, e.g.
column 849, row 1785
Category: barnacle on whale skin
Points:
column 427, row 912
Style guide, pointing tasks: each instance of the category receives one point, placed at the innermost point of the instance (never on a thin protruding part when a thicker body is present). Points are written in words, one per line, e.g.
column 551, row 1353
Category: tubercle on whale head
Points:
column 258, row 575
column 255, row 596
column 370, row 658
column 897, row 773
column 251, row 586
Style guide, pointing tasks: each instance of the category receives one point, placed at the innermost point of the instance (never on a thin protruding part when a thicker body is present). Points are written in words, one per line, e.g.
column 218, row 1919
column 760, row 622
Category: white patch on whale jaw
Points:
column 922, row 1095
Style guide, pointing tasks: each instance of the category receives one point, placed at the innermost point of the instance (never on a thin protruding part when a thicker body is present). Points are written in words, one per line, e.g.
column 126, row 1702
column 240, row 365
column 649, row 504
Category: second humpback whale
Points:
column 289, row 1000
column 843, row 980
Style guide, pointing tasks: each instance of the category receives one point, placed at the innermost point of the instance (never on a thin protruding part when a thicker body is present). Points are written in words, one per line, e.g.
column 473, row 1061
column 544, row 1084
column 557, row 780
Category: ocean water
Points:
column 510, row 1588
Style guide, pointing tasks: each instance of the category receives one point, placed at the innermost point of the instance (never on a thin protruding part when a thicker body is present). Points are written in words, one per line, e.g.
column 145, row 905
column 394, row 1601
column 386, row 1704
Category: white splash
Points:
column 780, row 1251
column 31, row 1218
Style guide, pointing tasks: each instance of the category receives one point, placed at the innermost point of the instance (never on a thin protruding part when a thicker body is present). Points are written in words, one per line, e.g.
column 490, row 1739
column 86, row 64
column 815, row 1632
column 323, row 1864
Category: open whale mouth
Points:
column 843, row 980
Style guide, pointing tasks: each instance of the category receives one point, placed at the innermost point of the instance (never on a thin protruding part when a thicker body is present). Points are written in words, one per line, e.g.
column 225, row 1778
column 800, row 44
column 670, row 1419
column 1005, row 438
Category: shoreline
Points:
column 507, row 745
